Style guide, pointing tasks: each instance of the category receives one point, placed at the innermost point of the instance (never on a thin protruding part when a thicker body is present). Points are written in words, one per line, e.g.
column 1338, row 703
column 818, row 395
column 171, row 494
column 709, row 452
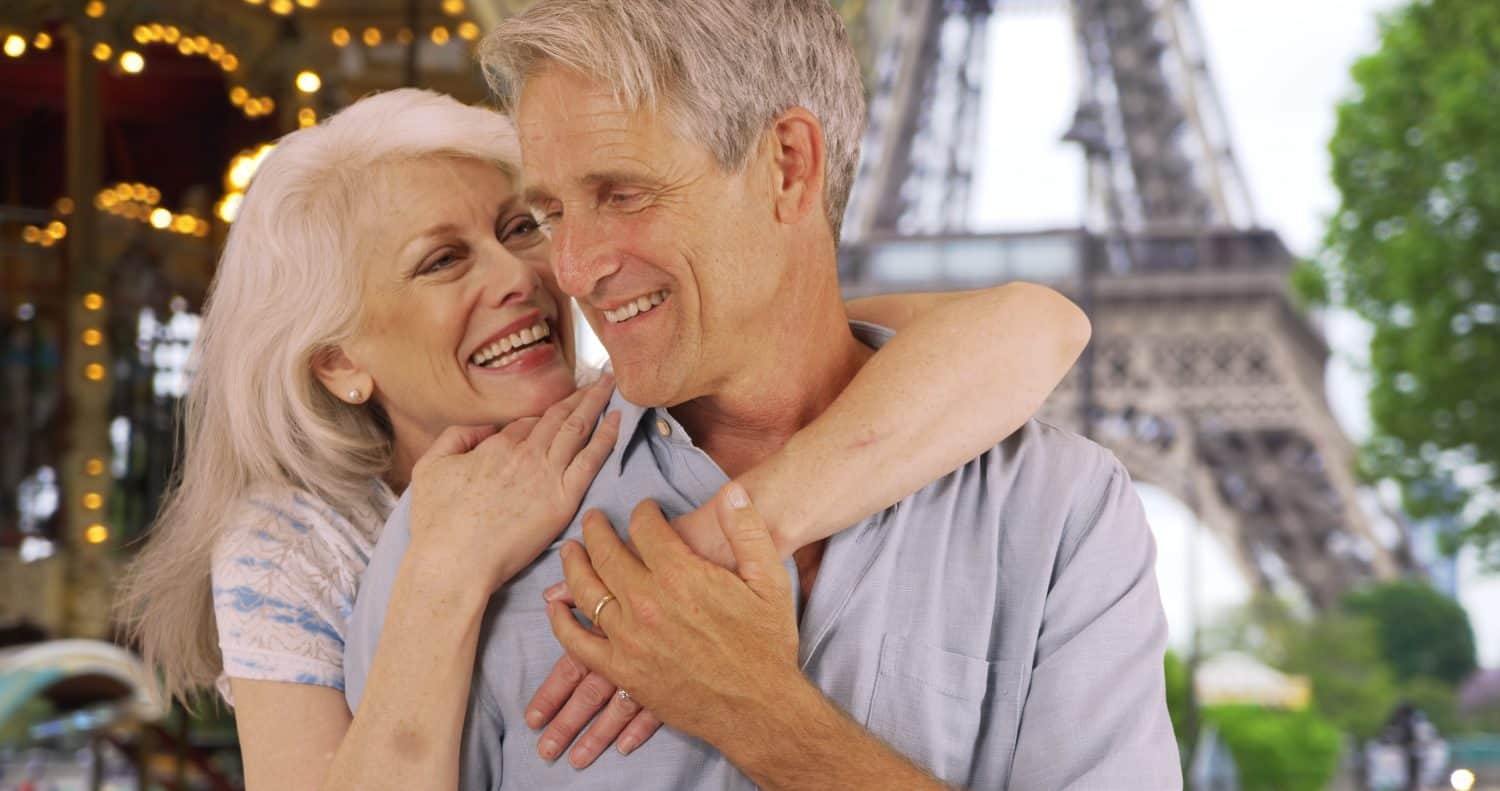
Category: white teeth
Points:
column 632, row 309
column 502, row 348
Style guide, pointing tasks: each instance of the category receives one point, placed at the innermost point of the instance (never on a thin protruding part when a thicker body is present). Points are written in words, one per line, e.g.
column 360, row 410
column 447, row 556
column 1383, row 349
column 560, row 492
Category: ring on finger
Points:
column 599, row 608
column 624, row 696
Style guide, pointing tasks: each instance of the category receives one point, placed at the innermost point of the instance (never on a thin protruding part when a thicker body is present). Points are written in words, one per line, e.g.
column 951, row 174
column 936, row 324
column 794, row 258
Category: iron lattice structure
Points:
column 1203, row 377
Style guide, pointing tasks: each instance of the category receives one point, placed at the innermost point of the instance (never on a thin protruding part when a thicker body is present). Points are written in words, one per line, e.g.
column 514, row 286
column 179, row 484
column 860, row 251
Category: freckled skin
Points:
column 430, row 301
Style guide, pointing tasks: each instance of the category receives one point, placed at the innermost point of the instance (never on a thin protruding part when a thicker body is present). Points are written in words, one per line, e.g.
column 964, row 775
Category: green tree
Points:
column 1438, row 700
column 1277, row 750
column 1338, row 652
column 1180, row 702
column 1421, row 632
column 1414, row 249
column 1352, row 685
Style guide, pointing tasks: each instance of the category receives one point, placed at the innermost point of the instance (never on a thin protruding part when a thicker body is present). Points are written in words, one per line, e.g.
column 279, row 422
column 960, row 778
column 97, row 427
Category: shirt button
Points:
column 663, row 428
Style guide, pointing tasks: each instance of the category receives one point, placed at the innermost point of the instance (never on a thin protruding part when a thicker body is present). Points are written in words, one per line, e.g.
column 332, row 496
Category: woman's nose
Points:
column 507, row 278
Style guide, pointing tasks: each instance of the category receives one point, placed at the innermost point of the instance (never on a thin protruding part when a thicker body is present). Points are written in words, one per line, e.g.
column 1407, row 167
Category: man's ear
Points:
column 798, row 158
column 342, row 377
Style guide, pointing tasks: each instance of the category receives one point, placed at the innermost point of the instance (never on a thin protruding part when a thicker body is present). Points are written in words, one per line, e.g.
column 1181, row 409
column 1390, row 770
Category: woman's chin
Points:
column 514, row 398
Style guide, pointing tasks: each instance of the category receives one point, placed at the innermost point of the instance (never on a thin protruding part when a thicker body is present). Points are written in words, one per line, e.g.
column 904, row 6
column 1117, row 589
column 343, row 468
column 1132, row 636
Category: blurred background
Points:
column 1283, row 218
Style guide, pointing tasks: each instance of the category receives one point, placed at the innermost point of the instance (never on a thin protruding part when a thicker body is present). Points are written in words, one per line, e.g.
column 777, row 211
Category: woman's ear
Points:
column 342, row 377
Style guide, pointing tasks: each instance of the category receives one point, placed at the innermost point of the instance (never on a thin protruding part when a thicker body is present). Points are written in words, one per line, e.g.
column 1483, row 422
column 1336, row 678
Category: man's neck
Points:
column 773, row 397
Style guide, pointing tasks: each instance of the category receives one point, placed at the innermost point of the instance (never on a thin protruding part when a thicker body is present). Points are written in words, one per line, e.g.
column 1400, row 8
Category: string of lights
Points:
column 262, row 79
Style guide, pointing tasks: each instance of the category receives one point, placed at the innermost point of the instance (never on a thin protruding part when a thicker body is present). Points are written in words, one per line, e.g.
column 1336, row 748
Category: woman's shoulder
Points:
column 298, row 538
column 289, row 515
column 286, row 569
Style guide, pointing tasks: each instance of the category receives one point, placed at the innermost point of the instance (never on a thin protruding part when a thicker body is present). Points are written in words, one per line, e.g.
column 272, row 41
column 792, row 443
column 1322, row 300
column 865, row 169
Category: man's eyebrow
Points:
column 537, row 194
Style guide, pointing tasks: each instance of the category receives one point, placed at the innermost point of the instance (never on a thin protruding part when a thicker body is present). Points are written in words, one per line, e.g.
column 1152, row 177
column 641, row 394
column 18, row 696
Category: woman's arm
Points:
column 410, row 722
column 302, row 737
column 964, row 371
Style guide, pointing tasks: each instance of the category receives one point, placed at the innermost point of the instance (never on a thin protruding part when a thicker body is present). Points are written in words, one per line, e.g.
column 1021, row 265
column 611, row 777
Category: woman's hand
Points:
column 485, row 503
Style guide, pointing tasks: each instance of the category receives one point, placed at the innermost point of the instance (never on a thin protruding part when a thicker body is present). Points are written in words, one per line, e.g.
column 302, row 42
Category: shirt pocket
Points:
column 929, row 704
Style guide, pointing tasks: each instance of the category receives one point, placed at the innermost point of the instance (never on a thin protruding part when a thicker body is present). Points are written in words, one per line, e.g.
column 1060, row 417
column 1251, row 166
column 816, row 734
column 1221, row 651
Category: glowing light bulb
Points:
column 309, row 82
column 440, row 35
column 340, row 36
column 92, row 337
column 468, row 31
column 371, row 36
column 96, row 534
column 94, row 9
column 93, row 372
column 102, row 51
column 229, row 208
column 93, row 301
column 160, row 218
column 132, row 62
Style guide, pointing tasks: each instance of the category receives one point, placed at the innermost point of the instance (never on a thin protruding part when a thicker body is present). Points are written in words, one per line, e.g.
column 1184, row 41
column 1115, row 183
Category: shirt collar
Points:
column 636, row 421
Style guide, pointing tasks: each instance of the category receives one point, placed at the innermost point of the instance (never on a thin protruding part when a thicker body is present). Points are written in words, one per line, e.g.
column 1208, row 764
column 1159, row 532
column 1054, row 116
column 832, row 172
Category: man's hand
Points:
column 696, row 644
column 573, row 698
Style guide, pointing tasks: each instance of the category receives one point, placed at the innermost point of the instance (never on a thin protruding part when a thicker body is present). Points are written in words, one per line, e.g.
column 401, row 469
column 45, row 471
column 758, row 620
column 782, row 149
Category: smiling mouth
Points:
column 635, row 308
column 506, row 350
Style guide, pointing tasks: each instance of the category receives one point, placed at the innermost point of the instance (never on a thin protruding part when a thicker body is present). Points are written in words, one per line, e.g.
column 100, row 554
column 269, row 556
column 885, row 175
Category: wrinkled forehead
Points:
column 571, row 125
column 396, row 198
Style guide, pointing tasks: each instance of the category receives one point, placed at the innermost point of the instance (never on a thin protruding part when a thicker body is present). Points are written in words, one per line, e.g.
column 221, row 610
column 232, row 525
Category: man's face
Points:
column 656, row 242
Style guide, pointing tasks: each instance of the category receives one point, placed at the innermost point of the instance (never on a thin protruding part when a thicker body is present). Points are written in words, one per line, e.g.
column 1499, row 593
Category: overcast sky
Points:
column 1281, row 66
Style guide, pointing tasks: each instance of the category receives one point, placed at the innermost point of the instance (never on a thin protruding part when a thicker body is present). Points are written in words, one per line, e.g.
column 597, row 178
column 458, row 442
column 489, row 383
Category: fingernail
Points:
column 547, row 749
column 577, row 759
column 553, row 592
column 737, row 496
column 626, row 744
column 534, row 719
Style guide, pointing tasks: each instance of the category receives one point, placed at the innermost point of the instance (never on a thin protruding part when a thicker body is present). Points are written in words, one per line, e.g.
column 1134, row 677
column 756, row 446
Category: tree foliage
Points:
column 1421, row 632
column 1414, row 249
column 1278, row 750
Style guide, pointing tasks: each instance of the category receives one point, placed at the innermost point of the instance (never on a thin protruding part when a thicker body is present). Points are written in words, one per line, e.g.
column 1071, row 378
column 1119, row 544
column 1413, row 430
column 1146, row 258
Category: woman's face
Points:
column 462, row 323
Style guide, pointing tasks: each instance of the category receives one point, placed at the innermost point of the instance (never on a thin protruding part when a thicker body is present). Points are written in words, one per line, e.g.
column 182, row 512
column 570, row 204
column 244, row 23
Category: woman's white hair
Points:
column 722, row 70
column 287, row 289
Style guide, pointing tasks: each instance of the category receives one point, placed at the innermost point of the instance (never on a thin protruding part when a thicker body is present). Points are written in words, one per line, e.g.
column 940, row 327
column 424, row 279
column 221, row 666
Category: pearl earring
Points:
column 355, row 396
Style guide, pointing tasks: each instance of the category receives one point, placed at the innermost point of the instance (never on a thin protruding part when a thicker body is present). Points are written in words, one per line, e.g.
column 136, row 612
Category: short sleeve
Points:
column 283, row 588
column 1096, row 715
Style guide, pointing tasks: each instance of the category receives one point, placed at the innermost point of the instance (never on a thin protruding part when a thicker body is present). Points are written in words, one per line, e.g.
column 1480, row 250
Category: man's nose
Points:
column 582, row 256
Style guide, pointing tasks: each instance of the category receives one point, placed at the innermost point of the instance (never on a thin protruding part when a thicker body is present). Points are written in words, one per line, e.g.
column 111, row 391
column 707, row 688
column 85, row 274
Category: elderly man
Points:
column 999, row 628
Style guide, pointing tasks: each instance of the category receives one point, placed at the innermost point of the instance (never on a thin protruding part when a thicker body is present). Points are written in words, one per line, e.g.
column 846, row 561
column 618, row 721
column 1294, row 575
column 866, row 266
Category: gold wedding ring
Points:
column 598, row 608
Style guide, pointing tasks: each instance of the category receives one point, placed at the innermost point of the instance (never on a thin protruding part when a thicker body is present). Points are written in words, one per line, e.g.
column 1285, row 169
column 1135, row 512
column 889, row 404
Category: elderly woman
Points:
column 383, row 293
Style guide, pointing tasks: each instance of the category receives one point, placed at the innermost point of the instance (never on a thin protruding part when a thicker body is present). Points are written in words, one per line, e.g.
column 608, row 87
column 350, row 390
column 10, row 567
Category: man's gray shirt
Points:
column 1001, row 627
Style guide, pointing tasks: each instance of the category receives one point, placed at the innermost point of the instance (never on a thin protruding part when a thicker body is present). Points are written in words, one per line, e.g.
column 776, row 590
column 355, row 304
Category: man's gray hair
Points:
column 721, row 69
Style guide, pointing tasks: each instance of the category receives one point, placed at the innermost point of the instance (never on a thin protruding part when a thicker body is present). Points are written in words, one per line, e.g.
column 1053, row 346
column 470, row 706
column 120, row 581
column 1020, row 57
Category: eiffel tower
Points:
column 1203, row 377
